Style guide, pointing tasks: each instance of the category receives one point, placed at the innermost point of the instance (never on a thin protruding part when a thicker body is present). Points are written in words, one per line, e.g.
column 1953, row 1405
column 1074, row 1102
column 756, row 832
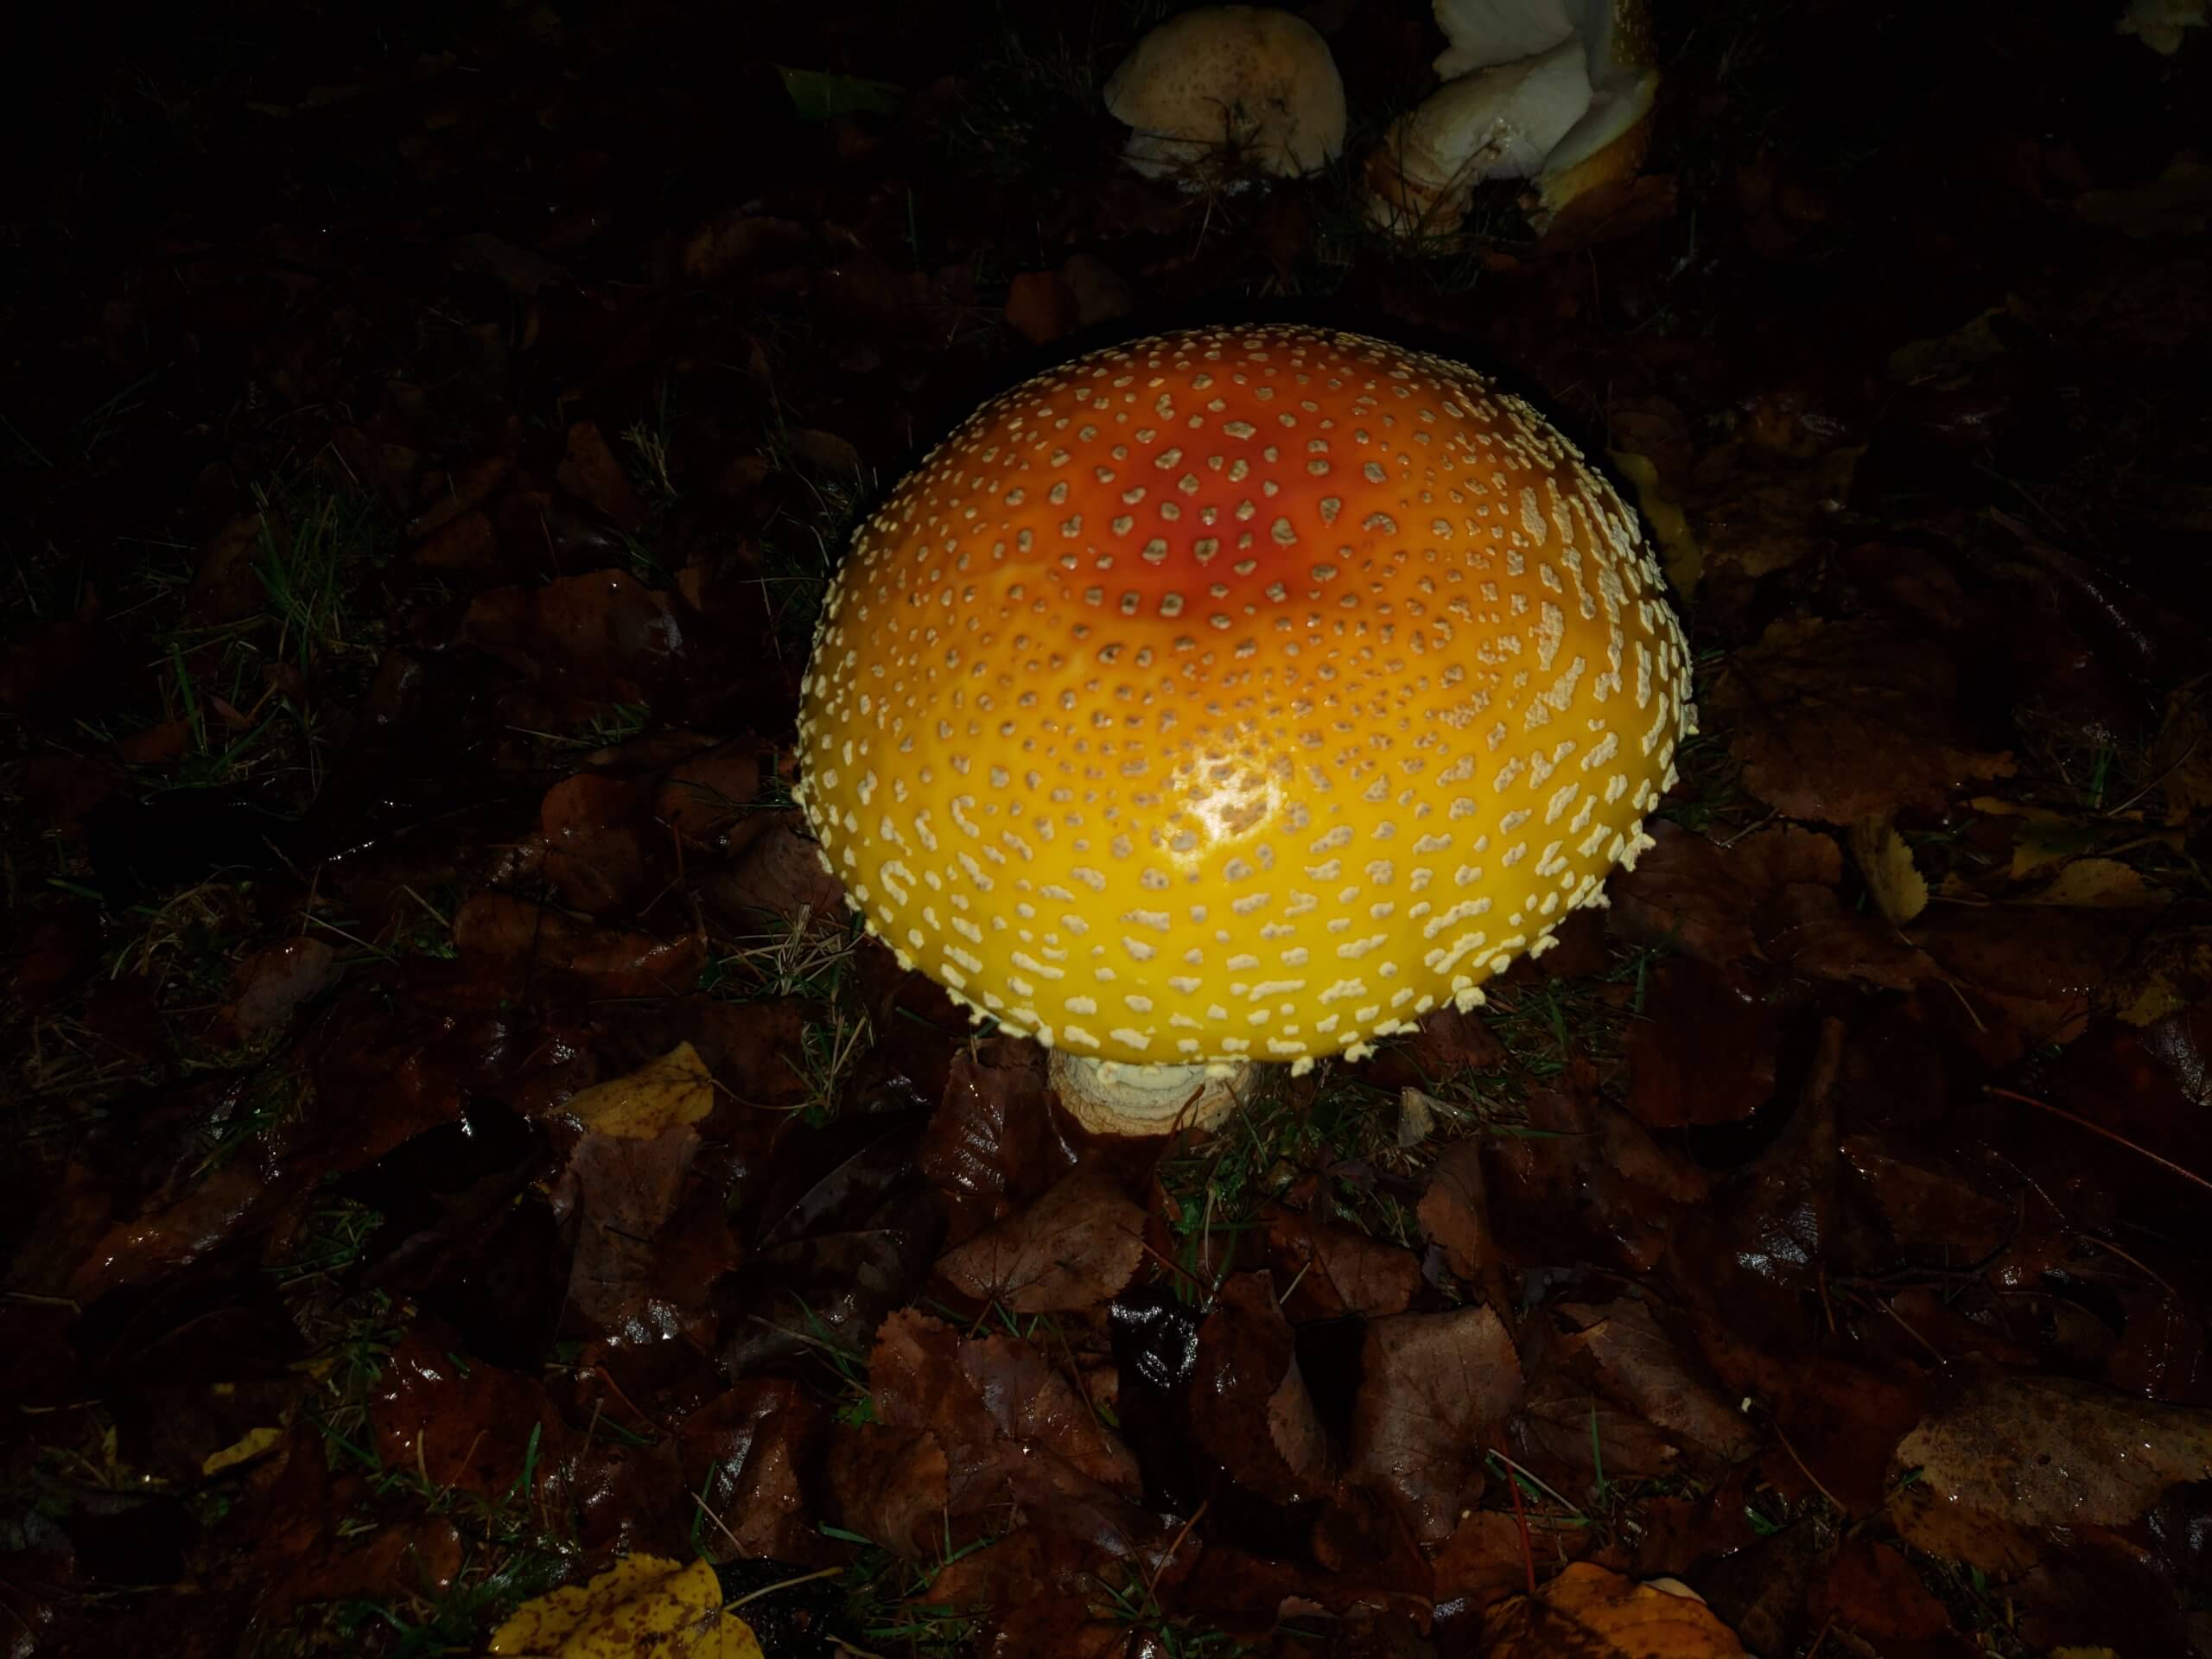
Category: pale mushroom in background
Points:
column 1234, row 696
column 1498, row 122
column 1509, row 109
column 1484, row 33
column 1223, row 91
column 2162, row 24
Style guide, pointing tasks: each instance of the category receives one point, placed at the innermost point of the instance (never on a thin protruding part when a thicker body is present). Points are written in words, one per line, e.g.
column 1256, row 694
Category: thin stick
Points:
column 1804, row 1469
column 1152, row 1579
column 2158, row 1159
column 784, row 1584
column 1527, row 1474
column 1521, row 1520
column 719, row 1522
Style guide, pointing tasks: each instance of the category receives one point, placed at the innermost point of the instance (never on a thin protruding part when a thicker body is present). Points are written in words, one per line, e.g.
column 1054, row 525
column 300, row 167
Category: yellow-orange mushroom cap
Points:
column 1240, row 694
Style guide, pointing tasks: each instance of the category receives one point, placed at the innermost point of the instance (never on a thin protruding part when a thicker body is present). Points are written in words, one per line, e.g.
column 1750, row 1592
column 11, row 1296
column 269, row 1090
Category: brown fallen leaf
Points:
column 1583, row 1181
column 1633, row 1360
column 1454, row 1209
column 2017, row 1455
column 1435, row 1391
column 591, row 474
column 990, row 1142
column 1701, row 1050
column 1871, row 1591
column 750, row 1455
column 1835, row 721
column 774, row 866
column 1331, row 1270
column 890, row 1486
column 1698, row 897
column 1040, row 308
column 1075, row 1246
column 1759, row 510
column 1592, row 1614
column 1014, row 1430
column 1249, row 1403
column 597, row 855
column 273, row 982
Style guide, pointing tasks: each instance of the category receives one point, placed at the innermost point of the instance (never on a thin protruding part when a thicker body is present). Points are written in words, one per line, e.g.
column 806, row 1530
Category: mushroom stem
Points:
column 1107, row 1098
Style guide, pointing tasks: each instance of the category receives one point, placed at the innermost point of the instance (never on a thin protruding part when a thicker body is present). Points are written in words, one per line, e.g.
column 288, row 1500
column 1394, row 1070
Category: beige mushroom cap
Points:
column 1226, row 87
column 1498, row 122
column 1557, row 90
column 1238, row 694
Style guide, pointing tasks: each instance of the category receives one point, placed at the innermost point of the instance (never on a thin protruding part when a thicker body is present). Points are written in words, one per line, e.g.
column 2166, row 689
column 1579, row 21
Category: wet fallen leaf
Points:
column 1758, row 511
column 1871, row 1590
column 1077, row 1244
column 2016, row 1456
column 1835, row 721
column 1435, row 1392
column 1695, row 895
column 1638, row 1364
column 1582, row 1180
column 1248, row 1402
column 272, row 983
column 1701, row 1050
column 663, row 1095
column 1014, row 1431
column 1331, row 1269
column 590, row 473
column 1589, row 1610
column 1041, row 307
column 891, row 1487
column 642, row 1606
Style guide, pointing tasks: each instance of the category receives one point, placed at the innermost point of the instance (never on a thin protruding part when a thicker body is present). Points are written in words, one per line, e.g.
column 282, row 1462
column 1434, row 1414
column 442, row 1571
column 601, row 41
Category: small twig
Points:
column 2108, row 1246
column 1528, row 1475
column 783, row 1584
column 719, row 1522
column 1803, row 1468
column 1152, row 1579
column 1521, row 1520
column 2158, row 1159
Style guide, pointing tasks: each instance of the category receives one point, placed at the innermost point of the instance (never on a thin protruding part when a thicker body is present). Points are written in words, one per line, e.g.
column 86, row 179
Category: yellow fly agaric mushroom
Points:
column 1238, row 695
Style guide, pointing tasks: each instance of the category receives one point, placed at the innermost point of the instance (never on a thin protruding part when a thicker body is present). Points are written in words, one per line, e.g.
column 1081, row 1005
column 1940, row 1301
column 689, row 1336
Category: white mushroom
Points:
column 1487, row 33
column 2161, row 24
column 1555, row 90
column 1228, row 89
column 1499, row 123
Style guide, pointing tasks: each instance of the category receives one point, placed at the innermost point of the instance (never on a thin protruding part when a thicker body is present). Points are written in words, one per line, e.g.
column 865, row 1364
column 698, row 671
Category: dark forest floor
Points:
column 427, row 433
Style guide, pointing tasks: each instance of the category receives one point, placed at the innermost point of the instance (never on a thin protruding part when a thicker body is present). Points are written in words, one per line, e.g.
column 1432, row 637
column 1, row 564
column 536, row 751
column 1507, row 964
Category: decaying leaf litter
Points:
column 462, row 1149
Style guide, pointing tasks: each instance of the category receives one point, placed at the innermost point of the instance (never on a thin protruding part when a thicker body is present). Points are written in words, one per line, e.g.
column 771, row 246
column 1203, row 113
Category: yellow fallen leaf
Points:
column 1679, row 552
column 1949, row 360
column 642, row 1606
column 2182, row 756
column 245, row 1449
column 2100, row 881
column 1587, row 1611
column 659, row 1095
column 2171, row 975
column 1900, row 891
